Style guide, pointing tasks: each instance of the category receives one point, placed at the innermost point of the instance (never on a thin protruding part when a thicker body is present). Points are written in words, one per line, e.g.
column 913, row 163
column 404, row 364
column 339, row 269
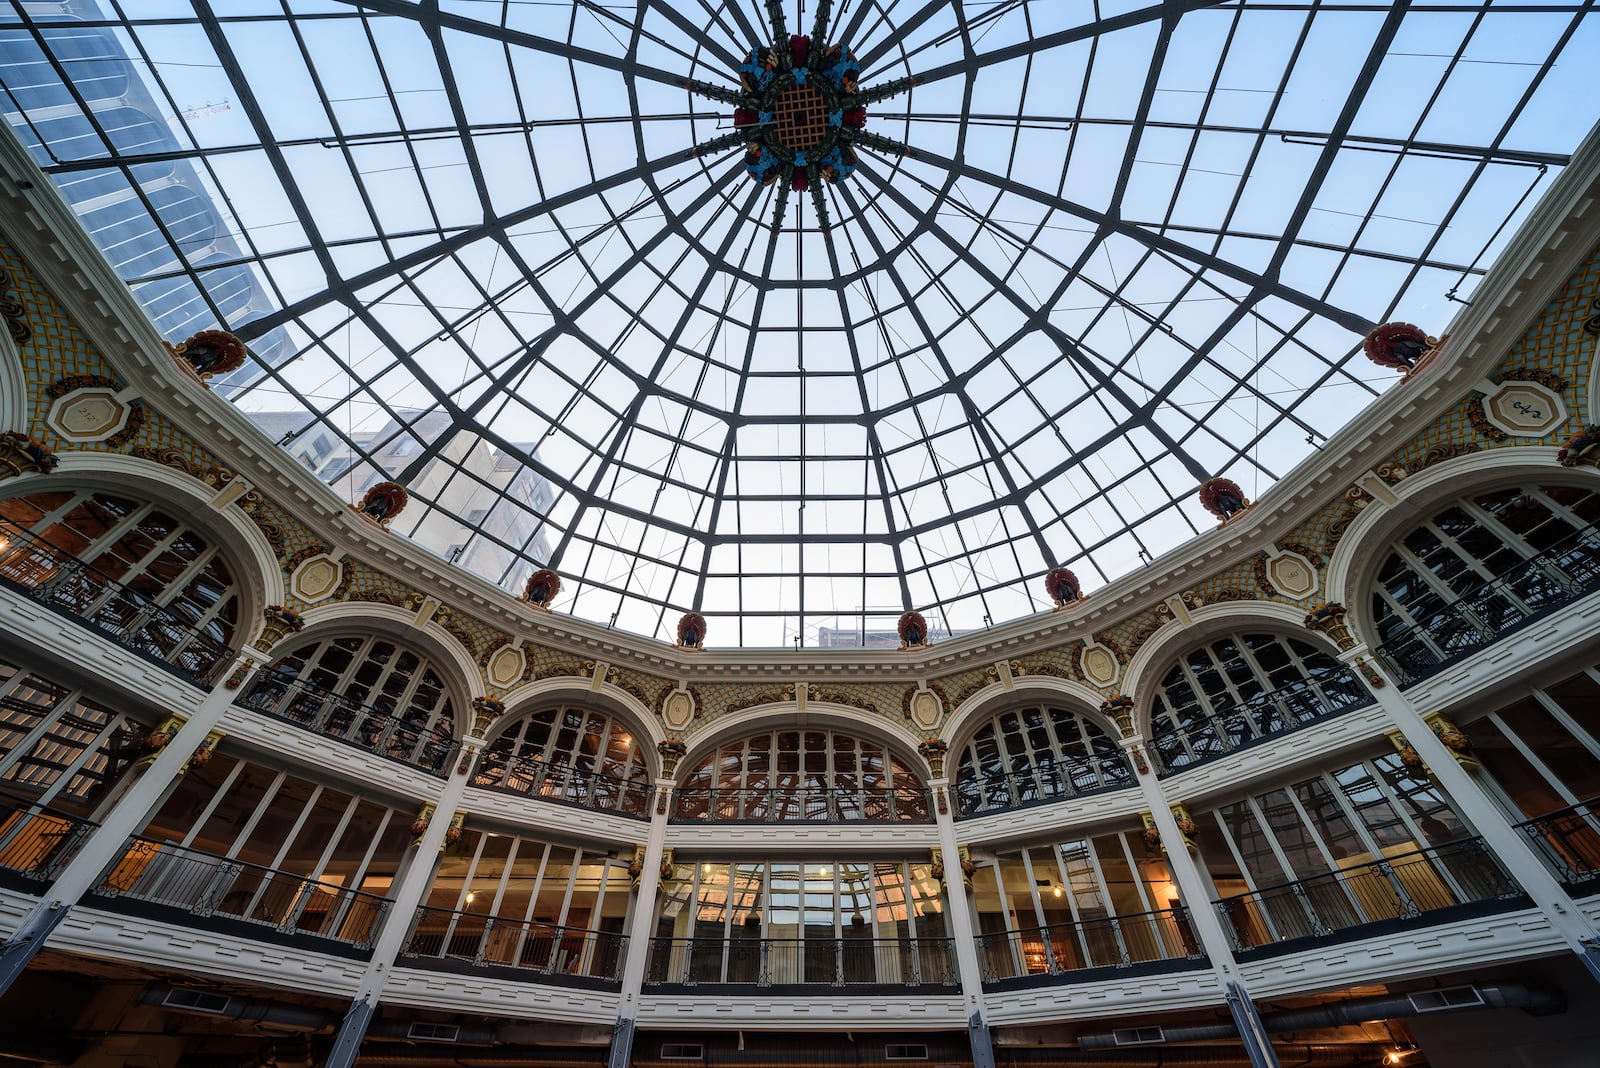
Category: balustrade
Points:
column 209, row 887
column 537, row 949
column 566, row 784
column 1106, row 942
column 802, row 804
column 822, row 961
column 57, row 579
column 402, row 738
column 1037, row 786
column 1568, row 840
column 37, row 840
column 1438, row 880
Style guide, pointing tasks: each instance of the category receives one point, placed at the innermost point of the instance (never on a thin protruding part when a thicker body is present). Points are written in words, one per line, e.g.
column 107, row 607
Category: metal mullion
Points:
column 461, row 895
column 267, row 797
column 1439, row 868
column 1561, row 716
column 1252, row 891
column 277, row 862
column 360, row 876
column 1105, row 895
column 334, row 838
column 48, row 718
column 212, row 802
column 1180, row 731
column 533, row 903
column 1070, row 892
column 572, row 881
column 1331, row 865
column 1151, row 908
column 1528, row 754
column 85, row 752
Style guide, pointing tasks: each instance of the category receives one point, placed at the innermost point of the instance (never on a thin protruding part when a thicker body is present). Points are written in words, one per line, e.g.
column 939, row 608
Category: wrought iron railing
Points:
column 55, row 578
column 374, row 730
column 566, row 784
column 36, row 840
column 1040, row 785
column 1290, row 708
column 1106, row 942
column 827, row 961
column 1569, row 841
column 1535, row 587
column 1402, row 887
column 530, row 946
column 802, row 804
column 208, row 886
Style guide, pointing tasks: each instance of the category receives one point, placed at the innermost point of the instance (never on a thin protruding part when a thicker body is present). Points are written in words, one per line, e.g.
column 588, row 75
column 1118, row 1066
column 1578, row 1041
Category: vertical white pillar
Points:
column 640, row 931
column 966, row 943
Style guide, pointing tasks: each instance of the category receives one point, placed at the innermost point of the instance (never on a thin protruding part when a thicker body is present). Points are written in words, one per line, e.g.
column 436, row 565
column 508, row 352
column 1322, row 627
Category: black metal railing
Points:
column 826, row 961
column 1282, row 711
column 1409, row 886
column 1040, row 785
column 1106, row 942
column 540, row 949
column 37, row 840
column 206, row 886
column 81, row 591
column 566, row 785
column 802, row 804
column 1569, row 841
column 323, row 712
column 1556, row 577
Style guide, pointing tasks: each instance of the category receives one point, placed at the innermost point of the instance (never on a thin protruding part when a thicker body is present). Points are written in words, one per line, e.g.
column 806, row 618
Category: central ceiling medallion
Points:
column 800, row 111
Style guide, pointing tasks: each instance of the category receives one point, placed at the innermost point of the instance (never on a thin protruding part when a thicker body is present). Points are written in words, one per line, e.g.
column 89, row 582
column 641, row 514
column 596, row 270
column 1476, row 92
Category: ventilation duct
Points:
column 1537, row 999
column 225, row 1007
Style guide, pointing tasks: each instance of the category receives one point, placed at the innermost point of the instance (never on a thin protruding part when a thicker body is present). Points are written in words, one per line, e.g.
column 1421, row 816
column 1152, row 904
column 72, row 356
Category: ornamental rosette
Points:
column 1397, row 346
column 913, row 630
column 383, row 502
column 1223, row 498
column 1062, row 585
column 692, row 631
column 212, row 352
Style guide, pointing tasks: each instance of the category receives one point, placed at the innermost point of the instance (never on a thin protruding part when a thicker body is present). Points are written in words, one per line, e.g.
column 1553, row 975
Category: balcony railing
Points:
column 1039, row 786
column 809, row 962
column 37, row 840
column 1533, row 588
column 1569, row 841
column 1265, row 716
column 326, row 713
column 81, row 591
column 210, row 888
column 802, row 804
column 566, row 785
column 537, row 949
column 1429, row 883
column 1109, row 942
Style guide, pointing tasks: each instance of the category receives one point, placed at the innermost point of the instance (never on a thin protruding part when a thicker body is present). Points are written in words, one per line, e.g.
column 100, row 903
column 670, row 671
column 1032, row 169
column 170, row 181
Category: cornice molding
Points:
column 1539, row 258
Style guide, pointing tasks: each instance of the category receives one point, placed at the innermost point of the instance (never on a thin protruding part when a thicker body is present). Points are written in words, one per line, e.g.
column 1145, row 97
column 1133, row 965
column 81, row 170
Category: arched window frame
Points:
column 613, row 773
column 1019, row 778
column 1257, row 705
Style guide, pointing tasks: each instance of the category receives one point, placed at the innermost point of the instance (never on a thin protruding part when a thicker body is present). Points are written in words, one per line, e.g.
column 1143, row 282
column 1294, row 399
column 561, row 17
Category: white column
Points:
column 640, row 931
column 1203, row 919
column 405, row 896
column 108, row 841
column 966, row 943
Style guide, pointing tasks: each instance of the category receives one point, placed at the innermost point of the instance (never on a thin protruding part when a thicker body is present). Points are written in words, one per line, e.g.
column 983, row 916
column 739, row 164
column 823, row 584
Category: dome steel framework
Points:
column 1091, row 256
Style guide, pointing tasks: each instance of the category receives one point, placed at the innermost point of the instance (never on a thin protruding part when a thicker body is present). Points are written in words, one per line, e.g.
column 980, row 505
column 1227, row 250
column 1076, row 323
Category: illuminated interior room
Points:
column 855, row 534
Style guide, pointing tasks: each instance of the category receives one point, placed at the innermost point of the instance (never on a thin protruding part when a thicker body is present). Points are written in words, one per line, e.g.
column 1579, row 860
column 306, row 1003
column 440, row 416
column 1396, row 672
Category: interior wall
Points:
column 1511, row 1038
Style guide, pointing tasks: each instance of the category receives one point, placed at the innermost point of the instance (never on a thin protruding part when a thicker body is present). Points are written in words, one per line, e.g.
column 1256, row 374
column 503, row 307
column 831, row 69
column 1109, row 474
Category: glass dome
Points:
column 801, row 334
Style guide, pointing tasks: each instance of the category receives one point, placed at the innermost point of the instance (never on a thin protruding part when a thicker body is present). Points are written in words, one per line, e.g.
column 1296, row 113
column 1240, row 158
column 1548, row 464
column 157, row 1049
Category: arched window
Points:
column 573, row 754
column 815, row 775
column 1483, row 565
column 368, row 691
column 1032, row 755
column 1244, row 687
column 129, row 568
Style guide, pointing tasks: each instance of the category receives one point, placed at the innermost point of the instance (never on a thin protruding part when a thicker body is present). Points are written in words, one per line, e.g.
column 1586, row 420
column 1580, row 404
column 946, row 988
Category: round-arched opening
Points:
column 574, row 754
column 816, row 775
column 1036, row 754
column 130, row 568
column 1481, row 565
column 1242, row 688
column 369, row 691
